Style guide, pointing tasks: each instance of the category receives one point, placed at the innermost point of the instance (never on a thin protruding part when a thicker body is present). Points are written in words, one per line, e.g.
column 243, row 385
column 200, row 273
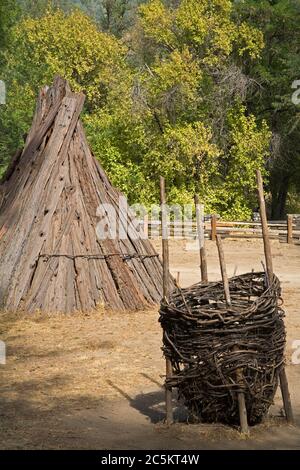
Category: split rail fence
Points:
column 284, row 230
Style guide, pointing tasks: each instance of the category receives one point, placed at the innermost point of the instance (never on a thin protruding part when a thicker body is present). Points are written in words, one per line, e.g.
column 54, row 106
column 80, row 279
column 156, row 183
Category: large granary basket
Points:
column 218, row 350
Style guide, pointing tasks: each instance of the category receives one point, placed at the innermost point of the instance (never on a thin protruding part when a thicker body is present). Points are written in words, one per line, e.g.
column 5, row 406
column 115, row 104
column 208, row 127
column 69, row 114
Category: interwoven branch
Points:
column 217, row 350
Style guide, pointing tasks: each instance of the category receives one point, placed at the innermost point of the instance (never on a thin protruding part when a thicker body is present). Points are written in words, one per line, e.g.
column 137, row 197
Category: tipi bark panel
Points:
column 50, row 256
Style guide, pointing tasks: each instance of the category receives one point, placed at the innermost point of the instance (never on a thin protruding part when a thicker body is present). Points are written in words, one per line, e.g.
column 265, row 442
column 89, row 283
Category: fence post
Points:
column 269, row 266
column 213, row 228
column 201, row 238
column 166, row 276
column 290, row 229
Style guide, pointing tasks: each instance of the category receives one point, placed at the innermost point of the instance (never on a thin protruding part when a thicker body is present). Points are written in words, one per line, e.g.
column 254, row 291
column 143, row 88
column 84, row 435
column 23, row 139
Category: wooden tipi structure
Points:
column 50, row 257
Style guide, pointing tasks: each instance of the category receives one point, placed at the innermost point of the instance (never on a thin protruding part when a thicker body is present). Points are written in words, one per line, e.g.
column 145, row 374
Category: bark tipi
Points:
column 50, row 257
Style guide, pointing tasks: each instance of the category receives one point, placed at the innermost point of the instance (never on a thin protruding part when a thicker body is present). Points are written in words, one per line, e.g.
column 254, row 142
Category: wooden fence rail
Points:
column 284, row 230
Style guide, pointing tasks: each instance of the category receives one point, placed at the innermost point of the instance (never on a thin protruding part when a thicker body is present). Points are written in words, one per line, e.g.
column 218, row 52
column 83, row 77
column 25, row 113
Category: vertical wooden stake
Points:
column 264, row 224
column 166, row 271
column 286, row 397
column 178, row 278
column 290, row 229
column 201, row 238
column 269, row 267
column 165, row 241
column 242, row 405
column 239, row 374
column 213, row 227
column 223, row 269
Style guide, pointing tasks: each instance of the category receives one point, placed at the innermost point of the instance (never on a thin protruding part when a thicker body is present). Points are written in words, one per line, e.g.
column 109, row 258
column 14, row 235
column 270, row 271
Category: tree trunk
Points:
column 279, row 197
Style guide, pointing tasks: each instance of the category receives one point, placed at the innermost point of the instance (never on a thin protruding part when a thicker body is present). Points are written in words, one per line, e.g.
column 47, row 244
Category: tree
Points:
column 38, row 8
column 40, row 48
column 272, row 99
column 9, row 13
column 191, row 48
column 176, row 100
column 114, row 16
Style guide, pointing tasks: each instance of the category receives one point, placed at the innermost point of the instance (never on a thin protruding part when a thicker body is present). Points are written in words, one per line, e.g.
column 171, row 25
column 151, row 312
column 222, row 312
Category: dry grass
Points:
column 80, row 355
column 94, row 381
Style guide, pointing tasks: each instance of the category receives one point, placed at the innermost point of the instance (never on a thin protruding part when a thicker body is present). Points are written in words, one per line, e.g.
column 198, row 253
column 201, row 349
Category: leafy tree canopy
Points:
column 196, row 90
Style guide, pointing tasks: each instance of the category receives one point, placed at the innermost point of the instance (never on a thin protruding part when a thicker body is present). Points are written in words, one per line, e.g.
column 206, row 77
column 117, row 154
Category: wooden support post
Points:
column 264, row 225
column 290, row 229
column 213, row 227
column 165, row 241
column 168, row 394
column 269, row 267
column 239, row 375
column 286, row 397
column 242, row 404
column 178, row 278
column 166, row 271
column 223, row 269
column 201, row 238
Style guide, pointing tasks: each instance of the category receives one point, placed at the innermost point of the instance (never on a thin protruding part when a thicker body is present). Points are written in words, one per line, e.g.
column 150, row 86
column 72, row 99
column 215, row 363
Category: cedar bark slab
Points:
column 50, row 257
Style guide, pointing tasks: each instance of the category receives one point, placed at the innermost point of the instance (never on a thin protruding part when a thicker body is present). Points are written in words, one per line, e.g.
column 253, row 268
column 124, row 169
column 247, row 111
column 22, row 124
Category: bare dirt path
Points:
column 94, row 381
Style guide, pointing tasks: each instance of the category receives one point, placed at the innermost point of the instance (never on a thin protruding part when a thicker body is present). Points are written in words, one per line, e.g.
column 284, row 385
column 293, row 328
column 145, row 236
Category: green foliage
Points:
column 39, row 49
column 119, row 145
column 114, row 16
column 189, row 46
column 160, row 101
column 206, row 26
column 278, row 68
column 9, row 14
column 38, row 8
column 248, row 150
column 89, row 59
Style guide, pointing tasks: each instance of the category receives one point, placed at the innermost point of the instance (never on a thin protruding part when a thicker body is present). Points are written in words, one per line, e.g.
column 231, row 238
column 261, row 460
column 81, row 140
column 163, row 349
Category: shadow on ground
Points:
column 152, row 405
column 87, row 422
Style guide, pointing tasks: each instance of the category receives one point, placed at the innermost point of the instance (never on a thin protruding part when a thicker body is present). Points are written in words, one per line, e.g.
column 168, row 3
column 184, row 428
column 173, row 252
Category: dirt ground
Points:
column 95, row 381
